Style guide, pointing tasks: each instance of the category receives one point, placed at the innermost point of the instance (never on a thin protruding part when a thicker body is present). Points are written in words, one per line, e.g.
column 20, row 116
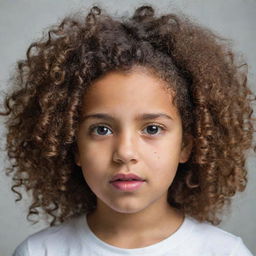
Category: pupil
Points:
column 102, row 129
column 152, row 129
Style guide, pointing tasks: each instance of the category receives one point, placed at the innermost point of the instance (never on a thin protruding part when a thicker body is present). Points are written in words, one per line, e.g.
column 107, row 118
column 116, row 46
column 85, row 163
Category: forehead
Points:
column 128, row 93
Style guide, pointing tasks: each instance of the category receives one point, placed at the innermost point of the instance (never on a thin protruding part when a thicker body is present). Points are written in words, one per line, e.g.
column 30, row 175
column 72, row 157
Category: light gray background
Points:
column 22, row 21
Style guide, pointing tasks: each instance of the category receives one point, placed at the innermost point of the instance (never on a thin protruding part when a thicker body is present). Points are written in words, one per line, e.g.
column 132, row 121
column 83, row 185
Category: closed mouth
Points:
column 126, row 177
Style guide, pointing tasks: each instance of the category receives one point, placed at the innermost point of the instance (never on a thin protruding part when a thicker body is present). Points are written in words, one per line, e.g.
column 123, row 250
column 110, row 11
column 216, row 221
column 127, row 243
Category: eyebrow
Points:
column 144, row 116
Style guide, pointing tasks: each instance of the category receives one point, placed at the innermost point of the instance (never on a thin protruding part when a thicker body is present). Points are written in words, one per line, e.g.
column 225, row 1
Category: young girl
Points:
column 81, row 140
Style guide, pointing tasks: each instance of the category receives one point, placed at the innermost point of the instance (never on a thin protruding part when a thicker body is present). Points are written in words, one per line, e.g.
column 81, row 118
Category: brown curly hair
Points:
column 211, row 94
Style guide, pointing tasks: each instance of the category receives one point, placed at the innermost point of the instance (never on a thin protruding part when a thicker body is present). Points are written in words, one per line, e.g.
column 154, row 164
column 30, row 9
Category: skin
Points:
column 129, row 145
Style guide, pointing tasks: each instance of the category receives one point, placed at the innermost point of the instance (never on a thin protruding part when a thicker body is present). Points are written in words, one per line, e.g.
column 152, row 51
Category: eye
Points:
column 101, row 129
column 153, row 129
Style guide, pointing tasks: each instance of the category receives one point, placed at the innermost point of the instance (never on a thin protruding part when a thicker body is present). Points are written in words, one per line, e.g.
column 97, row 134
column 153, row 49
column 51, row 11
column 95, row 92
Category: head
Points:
column 126, row 143
column 124, row 68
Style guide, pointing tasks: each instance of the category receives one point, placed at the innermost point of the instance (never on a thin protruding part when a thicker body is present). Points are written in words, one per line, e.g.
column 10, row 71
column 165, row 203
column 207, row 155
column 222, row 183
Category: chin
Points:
column 127, row 209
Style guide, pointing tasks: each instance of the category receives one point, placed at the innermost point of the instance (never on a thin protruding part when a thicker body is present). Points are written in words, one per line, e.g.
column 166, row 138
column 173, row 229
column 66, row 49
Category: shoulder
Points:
column 209, row 238
column 207, row 230
column 51, row 239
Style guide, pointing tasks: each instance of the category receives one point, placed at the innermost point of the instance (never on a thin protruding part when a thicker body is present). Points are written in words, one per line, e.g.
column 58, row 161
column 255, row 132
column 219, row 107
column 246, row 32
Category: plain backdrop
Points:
column 22, row 21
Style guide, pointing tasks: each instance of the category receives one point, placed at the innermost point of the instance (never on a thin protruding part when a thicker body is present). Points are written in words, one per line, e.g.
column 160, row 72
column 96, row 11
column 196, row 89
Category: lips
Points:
column 127, row 186
column 127, row 182
column 126, row 177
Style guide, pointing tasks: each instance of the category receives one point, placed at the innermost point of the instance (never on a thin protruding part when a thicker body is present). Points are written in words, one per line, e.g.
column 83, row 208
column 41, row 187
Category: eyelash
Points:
column 91, row 128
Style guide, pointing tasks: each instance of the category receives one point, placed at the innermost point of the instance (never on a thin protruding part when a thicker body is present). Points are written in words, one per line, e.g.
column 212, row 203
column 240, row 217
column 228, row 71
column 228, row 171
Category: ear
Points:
column 76, row 154
column 186, row 148
column 77, row 159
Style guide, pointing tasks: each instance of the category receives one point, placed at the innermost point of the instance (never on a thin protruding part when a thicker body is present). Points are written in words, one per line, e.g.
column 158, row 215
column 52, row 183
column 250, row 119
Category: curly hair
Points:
column 43, row 108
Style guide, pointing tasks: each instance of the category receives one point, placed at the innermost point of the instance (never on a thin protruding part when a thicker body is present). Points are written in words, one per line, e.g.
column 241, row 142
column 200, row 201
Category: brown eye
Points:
column 153, row 129
column 100, row 130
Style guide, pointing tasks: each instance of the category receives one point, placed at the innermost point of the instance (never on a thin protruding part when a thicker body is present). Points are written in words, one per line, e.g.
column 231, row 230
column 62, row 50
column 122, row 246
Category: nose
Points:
column 125, row 148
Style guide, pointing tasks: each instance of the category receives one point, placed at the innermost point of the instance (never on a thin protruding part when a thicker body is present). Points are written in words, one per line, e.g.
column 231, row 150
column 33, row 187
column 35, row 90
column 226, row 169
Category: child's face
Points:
column 128, row 143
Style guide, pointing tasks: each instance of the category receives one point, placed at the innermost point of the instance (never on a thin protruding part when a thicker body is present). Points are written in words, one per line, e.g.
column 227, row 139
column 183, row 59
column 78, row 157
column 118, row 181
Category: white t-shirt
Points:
column 75, row 238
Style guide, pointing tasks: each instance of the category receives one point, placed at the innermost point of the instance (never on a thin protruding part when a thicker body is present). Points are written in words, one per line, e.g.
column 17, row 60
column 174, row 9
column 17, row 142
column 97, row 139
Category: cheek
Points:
column 90, row 153
column 166, row 150
column 165, row 158
column 164, row 161
column 94, row 160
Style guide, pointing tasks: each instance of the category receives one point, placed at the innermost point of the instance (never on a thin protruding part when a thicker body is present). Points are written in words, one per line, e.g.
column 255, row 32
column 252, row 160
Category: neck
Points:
column 154, row 223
